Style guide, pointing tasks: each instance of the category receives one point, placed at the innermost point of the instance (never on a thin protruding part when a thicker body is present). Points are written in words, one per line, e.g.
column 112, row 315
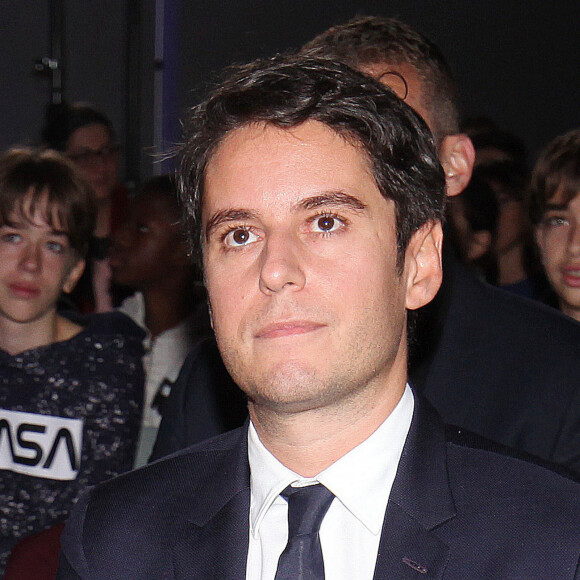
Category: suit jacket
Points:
column 457, row 510
column 502, row 366
column 204, row 402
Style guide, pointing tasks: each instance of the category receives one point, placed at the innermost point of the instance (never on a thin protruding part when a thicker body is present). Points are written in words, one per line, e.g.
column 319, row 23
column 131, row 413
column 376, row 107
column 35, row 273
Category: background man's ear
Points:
column 423, row 265
column 73, row 276
column 457, row 157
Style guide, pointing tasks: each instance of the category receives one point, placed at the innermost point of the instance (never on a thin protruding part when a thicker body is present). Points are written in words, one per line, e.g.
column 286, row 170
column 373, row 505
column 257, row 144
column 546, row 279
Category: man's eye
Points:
column 555, row 221
column 327, row 223
column 239, row 237
column 56, row 247
column 143, row 229
column 11, row 238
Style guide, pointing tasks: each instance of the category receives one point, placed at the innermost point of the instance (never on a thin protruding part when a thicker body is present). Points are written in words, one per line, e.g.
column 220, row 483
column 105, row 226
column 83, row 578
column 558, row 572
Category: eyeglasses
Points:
column 91, row 157
column 396, row 82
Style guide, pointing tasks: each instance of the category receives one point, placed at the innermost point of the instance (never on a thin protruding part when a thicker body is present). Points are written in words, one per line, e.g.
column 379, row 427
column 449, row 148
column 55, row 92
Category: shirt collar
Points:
column 359, row 479
column 177, row 339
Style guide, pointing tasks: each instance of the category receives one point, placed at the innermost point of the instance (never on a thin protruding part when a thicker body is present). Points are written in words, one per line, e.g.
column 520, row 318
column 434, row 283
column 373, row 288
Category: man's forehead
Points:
column 242, row 140
column 283, row 163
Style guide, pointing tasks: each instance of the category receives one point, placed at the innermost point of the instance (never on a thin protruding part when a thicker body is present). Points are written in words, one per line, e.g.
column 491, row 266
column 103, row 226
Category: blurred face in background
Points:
column 558, row 239
column 149, row 247
column 91, row 147
column 472, row 244
column 36, row 263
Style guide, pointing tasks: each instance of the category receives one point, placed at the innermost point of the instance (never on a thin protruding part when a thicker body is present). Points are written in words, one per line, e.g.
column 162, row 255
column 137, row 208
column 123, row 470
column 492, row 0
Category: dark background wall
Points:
column 107, row 59
column 24, row 36
column 516, row 61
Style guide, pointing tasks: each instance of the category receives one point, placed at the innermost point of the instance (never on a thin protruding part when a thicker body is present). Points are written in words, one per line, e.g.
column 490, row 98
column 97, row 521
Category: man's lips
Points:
column 288, row 328
column 572, row 276
column 24, row 290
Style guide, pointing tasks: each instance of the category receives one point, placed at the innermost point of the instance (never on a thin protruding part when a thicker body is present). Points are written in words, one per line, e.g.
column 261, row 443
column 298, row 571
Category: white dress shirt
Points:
column 163, row 359
column 361, row 481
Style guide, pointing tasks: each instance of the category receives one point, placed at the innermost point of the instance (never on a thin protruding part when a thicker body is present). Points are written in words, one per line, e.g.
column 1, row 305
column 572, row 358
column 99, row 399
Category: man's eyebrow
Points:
column 332, row 198
column 555, row 206
column 23, row 224
column 62, row 233
column 224, row 216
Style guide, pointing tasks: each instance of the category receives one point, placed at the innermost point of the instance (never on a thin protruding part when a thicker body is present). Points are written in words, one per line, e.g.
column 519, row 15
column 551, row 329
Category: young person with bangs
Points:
column 70, row 386
column 555, row 211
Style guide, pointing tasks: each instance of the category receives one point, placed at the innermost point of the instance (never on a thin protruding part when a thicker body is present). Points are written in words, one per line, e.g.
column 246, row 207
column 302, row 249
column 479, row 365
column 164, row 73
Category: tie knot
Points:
column 307, row 507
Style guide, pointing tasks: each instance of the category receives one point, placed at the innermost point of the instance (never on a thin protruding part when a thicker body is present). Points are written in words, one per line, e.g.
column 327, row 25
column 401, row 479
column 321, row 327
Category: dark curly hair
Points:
column 286, row 91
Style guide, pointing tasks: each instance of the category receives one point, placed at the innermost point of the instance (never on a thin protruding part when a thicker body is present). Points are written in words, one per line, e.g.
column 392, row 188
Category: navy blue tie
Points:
column 302, row 556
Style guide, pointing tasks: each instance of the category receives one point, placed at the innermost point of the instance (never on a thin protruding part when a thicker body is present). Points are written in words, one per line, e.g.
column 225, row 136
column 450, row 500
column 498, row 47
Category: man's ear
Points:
column 73, row 276
column 423, row 265
column 457, row 157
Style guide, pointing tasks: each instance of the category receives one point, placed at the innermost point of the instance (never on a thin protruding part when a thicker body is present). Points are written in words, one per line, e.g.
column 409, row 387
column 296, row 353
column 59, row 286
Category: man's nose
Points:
column 31, row 259
column 282, row 265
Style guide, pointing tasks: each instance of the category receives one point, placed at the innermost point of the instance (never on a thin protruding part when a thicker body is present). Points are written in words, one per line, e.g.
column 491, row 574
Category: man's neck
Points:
column 18, row 337
column 166, row 307
column 510, row 265
column 308, row 442
column 571, row 311
column 103, row 222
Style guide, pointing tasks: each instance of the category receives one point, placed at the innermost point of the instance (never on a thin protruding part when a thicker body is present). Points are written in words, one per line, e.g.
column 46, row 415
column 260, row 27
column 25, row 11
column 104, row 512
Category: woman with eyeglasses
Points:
column 87, row 136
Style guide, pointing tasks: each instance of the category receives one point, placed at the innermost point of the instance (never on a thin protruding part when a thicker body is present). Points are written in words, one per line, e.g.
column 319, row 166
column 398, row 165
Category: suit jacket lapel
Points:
column 214, row 544
column 215, row 541
column 420, row 500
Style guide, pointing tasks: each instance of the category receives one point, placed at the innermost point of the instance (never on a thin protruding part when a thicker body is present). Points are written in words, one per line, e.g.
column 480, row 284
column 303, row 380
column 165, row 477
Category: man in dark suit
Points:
column 502, row 367
column 316, row 196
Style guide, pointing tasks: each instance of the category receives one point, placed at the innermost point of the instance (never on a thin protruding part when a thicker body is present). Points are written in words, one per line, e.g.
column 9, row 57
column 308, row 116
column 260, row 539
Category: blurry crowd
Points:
column 102, row 303
column 502, row 222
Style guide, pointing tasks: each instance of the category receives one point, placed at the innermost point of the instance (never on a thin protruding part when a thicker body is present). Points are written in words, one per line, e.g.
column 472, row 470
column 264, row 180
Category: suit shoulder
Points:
column 489, row 478
column 145, row 511
column 467, row 440
column 516, row 313
column 198, row 459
